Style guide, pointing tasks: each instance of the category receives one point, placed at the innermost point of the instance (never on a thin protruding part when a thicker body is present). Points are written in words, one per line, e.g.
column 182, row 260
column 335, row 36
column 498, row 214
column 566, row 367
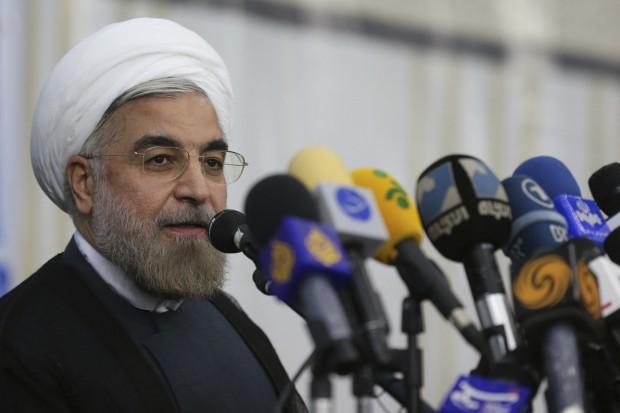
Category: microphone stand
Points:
column 320, row 392
column 363, row 388
column 412, row 324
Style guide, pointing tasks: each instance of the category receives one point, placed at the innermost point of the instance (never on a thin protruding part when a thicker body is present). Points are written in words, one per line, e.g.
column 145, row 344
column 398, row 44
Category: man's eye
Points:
column 213, row 164
column 159, row 160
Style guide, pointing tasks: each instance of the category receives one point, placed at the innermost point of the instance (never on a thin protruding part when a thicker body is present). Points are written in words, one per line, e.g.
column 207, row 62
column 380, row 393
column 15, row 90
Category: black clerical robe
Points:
column 64, row 348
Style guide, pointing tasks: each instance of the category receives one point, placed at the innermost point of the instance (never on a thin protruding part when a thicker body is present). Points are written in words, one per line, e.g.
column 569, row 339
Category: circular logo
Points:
column 322, row 248
column 542, row 282
column 534, row 192
column 353, row 204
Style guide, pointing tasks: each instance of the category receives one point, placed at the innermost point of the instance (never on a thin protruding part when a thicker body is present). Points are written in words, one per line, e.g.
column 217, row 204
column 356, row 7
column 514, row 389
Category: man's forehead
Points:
column 148, row 141
column 185, row 120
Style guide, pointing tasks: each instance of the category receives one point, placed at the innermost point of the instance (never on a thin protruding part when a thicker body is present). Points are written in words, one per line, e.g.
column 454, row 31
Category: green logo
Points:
column 396, row 190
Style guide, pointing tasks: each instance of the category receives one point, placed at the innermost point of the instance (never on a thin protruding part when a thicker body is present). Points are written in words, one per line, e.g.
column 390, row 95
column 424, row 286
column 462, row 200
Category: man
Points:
column 130, row 138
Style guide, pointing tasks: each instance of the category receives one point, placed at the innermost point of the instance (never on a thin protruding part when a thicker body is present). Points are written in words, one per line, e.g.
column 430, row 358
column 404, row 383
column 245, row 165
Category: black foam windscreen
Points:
column 222, row 229
column 605, row 187
column 462, row 204
column 274, row 198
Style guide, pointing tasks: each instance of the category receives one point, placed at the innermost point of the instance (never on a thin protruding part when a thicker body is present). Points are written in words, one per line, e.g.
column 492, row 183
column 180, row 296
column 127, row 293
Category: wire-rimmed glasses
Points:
column 169, row 163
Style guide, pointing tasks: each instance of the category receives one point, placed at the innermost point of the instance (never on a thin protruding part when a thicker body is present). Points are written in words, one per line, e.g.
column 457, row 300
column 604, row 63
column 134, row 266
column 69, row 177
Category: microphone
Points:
column 228, row 233
column 423, row 278
column 466, row 215
column 584, row 220
column 536, row 225
column 353, row 213
column 305, row 262
column 349, row 209
column 583, row 217
column 605, row 187
column 556, row 295
column 546, row 306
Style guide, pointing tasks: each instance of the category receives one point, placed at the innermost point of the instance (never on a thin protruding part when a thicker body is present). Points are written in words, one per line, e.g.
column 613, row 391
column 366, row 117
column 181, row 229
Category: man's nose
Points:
column 193, row 185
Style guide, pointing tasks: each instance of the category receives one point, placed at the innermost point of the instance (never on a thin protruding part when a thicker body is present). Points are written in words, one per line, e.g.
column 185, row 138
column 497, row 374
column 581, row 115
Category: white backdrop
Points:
column 375, row 102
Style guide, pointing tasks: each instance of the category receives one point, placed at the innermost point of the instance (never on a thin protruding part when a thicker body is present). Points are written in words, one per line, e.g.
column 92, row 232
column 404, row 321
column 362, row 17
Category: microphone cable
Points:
column 288, row 389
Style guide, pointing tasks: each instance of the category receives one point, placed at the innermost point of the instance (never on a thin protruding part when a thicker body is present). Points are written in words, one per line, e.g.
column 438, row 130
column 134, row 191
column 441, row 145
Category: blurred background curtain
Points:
column 392, row 84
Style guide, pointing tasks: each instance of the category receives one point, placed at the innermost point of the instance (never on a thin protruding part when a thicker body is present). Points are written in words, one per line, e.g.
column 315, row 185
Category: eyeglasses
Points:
column 169, row 163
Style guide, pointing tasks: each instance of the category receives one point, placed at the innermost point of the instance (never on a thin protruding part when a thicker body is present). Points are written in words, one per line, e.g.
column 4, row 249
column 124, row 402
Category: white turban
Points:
column 102, row 67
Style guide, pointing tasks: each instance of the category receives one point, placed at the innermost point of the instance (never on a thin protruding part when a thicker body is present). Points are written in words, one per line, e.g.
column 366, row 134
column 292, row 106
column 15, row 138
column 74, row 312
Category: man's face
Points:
column 156, row 229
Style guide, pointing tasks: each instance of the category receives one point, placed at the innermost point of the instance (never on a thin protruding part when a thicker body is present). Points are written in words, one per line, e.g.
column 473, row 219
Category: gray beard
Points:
column 171, row 267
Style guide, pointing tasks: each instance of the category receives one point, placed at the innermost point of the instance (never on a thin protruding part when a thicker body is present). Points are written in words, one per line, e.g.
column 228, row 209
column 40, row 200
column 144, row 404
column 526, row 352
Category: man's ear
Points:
column 81, row 182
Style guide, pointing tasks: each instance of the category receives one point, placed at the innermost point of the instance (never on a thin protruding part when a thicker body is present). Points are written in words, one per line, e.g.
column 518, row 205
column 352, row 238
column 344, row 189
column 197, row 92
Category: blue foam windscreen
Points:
column 551, row 174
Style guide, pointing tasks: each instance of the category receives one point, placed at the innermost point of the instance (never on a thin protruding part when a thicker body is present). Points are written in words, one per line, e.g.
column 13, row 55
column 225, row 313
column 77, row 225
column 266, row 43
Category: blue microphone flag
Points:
column 477, row 394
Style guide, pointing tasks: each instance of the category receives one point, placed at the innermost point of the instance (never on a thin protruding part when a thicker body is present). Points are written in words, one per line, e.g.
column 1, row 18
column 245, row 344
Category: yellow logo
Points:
column 282, row 260
column 322, row 248
column 542, row 282
column 588, row 287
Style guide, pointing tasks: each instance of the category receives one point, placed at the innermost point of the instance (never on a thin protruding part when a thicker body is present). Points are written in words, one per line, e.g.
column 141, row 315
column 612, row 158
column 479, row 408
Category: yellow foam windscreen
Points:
column 399, row 212
column 319, row 164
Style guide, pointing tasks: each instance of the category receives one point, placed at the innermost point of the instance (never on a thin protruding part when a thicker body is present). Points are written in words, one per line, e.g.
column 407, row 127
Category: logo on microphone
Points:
column 322, row 248
column 534, row 192
column 542, row 282
column 282, row 261
column 585, row 214
column 396, row 191
column 437, row 193
column 559, row 233
column 353, row 204
column 478, row 394
column 484, row 181
column 469, row 398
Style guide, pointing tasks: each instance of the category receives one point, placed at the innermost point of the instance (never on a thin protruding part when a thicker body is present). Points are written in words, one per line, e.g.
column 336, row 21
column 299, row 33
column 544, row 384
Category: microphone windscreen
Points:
column 536, row 225
column 605, row 187
column 222, row 229
column 551, row 174
column 462, row 204
column 397, row 208
column 274, row 198
column 319, row 164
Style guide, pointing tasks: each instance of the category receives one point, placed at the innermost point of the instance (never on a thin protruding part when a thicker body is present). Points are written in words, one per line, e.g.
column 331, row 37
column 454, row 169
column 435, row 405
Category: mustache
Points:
column 196, row 217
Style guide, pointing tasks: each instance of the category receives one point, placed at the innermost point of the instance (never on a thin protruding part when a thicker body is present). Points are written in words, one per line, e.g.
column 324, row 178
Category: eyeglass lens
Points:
column 169, row 163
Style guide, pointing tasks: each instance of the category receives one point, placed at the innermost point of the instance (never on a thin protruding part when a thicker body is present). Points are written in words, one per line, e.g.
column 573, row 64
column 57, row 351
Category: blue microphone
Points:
column 536, row 224
column 583, row 217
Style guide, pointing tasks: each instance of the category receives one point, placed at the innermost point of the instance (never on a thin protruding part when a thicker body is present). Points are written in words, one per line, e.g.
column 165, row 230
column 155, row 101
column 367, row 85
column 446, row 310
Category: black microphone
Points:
column 605, row 187
column 466, row 215
column 305, row 263
column 423, row 278
column 229, row 233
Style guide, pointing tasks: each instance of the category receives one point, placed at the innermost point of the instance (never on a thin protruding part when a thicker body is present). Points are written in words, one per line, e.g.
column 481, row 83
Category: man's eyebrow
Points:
column 149, row 141
column 220, row 144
